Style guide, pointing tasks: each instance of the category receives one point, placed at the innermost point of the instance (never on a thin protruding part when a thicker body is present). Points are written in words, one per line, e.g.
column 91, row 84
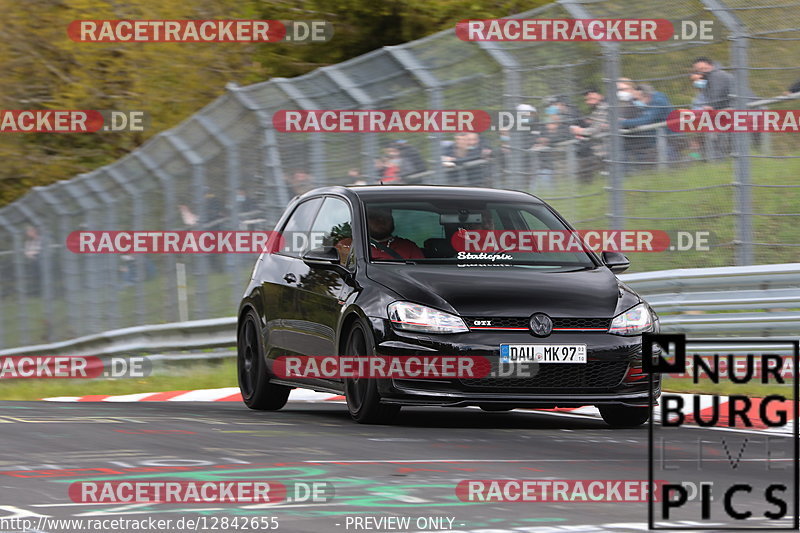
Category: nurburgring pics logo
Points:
column 757, row 472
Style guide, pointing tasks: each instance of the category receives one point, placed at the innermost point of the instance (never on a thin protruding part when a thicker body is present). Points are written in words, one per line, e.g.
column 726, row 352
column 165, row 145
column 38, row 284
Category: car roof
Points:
column 426, row 192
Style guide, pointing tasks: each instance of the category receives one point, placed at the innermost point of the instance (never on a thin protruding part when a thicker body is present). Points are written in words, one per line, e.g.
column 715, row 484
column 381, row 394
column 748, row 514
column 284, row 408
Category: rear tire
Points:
column 623, row 416
column 257, row 392
column 363, row 399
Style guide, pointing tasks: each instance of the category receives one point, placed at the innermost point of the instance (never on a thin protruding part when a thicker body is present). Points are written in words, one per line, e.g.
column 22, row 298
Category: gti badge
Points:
column 541, row 325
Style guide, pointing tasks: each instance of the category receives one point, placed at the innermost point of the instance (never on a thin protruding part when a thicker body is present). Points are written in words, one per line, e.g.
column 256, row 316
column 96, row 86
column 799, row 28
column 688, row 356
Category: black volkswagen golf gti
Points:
column 373, row 272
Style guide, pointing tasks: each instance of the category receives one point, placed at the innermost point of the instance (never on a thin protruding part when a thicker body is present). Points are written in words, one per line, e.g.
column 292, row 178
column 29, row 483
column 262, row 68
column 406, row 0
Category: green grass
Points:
column 183, row 377
column 754, row 390
column 223, row 374
column 715, row 204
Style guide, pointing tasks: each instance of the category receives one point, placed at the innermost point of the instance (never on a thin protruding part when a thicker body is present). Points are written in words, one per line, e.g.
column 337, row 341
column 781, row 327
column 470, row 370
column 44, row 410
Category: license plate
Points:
column 542, row 353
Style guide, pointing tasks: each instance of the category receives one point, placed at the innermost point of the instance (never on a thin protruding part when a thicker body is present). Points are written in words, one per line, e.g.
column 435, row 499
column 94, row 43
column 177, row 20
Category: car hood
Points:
column 507, row 291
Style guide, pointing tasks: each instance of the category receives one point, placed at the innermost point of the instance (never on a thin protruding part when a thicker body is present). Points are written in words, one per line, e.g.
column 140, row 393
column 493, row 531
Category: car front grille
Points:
column 589, row 375
column 521, row 323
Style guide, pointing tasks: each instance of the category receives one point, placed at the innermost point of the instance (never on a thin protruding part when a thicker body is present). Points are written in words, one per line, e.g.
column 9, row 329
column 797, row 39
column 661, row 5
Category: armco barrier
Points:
column 754, row 302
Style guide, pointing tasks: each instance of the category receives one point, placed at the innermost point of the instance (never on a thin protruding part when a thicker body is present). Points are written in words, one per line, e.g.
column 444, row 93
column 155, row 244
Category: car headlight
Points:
column 634, row 321
column 415, row 317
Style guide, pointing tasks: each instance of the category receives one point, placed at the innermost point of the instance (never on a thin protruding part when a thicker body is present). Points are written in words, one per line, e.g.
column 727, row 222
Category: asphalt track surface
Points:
column 409, row 469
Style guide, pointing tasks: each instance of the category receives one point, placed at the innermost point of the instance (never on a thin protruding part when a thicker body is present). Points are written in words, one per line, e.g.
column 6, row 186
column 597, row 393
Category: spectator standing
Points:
column 411, row 161
column 32, row 251
column 300, row 182
column 593, row 150
column 627, row 109
column 388, row 165
column 460, row 155
column 719, row 84
column 654, row 108
column 717, row 95
column 695, row 142
column 549, row 157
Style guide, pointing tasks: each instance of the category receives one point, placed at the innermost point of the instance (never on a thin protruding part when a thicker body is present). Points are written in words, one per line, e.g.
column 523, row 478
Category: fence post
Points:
column 86, row 267
column 45, row 270
column 234, row 183
column 22, row 312
column 138, row 225
column 611, row 73
column 512, row 85
column 369, row 141
column 741, row 140
column 199, row 178
column 108, row 272
column 170, row 223
column 273, row 166
column 662, row 148
column 317, row 152
column 572, row 176
column 433, row 87
column 68, row 270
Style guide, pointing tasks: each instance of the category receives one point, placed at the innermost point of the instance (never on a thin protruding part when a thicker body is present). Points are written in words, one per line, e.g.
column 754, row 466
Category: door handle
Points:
column 290, row 278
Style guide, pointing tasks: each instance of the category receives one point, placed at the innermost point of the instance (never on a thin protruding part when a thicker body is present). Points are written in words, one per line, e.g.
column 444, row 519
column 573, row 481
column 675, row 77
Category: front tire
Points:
column 363, row 399
column 623, row 416
column 257, row 392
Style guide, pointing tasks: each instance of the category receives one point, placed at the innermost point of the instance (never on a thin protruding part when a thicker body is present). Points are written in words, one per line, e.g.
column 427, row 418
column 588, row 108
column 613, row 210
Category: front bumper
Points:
column 604, row 380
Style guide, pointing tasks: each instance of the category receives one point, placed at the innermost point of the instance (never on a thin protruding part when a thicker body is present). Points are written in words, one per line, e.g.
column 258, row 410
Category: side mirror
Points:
column 322, row 257
column 616, row 262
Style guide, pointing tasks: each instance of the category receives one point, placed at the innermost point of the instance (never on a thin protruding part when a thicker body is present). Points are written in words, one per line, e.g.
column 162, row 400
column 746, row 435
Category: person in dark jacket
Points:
column 719, row 84
column 716, row 91
column 654, row 107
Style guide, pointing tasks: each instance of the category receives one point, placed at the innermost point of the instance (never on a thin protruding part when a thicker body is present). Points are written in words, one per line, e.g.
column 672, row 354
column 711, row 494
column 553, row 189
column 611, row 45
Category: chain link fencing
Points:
column 227, row 168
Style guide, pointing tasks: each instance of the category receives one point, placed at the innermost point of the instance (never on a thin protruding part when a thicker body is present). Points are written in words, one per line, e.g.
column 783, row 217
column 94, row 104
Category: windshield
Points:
column 444, row 231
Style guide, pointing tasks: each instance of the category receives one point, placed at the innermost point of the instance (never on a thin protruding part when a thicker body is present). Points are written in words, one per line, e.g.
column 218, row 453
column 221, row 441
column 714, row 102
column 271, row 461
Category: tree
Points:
column 43, row 69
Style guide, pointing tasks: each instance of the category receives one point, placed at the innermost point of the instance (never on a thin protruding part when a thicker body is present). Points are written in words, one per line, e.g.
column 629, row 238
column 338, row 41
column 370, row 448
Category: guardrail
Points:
column 760, row 301
column 753, row 302
column 189, row 335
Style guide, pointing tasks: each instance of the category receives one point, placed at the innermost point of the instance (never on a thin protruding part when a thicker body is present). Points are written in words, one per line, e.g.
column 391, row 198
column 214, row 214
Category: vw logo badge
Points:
column 541, row 325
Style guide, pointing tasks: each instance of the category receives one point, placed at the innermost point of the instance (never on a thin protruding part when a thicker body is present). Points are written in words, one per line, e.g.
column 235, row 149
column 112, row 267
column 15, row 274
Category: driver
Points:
column 384, row 245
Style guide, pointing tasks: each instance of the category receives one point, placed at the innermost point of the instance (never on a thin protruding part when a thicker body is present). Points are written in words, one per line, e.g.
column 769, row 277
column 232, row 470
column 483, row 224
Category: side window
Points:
column 297, row 228
column 417, row 225
column 533, row 222
column 332, row 227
